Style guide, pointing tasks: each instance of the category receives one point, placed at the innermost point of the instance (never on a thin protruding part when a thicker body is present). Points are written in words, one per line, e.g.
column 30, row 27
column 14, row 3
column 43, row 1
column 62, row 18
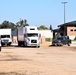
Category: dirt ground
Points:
column 38, row 61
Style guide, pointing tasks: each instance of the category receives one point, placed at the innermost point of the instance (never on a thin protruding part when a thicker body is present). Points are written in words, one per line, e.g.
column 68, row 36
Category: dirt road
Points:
column 38, row 61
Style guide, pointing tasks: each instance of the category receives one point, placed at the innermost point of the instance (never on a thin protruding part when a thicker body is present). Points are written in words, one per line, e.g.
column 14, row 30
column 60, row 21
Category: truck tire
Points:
column 61, row 45
column 0, row 49
column 9, row 44
column 19, row 44
column 38, row 46
column 68, row 44
column 25, row 44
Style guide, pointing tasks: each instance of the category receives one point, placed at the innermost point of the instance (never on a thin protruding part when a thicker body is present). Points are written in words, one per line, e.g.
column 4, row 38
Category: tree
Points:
column 22, row 23
column 42, row 27
column 51, row 27
column 25, row 23
column 0, row 25
column 18, row 24
column 7, row 24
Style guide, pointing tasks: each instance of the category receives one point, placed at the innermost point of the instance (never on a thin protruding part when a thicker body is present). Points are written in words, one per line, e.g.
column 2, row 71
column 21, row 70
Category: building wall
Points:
column 71, row 32
column 46, row 33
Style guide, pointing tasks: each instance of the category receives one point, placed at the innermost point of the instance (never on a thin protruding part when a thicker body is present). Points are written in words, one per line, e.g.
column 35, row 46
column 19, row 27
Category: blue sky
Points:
column 38, row 12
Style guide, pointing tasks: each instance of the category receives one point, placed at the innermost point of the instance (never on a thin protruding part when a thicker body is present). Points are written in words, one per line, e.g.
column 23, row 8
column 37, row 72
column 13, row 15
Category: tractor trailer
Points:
column 28, row 36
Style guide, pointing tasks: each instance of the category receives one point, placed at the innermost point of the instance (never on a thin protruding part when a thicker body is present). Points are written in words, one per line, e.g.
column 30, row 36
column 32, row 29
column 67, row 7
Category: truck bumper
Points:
column 33, row 44
column 5, row 43
column 57, row 44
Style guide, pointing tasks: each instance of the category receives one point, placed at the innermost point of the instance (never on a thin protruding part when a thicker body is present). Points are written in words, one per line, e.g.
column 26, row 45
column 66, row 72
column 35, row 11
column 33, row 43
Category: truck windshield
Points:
column 59, row 38
column 5, row 36
column 32, row 34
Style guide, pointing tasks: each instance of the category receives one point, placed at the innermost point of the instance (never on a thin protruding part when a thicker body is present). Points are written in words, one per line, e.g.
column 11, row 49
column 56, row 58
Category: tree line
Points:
column 8, row 24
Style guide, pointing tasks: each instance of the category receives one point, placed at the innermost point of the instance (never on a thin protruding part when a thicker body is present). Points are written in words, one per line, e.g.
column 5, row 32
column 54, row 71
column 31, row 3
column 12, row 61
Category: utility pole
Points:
column 64, row 11
column 64, row 32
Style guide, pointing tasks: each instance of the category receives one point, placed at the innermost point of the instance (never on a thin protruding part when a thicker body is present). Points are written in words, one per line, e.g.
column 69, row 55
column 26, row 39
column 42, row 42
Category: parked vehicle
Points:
column 6, row 37
column 61, row 40
column 28, row 36
column 57, row 41
column 66, row 40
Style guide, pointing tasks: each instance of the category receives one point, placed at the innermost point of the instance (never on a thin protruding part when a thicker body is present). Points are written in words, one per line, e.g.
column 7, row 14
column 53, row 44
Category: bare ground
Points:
column 38, row 61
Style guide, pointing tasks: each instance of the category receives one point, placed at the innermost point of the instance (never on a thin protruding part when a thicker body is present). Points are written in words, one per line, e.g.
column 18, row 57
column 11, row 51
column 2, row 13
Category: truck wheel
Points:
column 61, row 45
column 68, row 44
column 25, row 44
column 2, row 45
column 19, row 44
column 9, row 44
column 0, row 49
column 38, row 46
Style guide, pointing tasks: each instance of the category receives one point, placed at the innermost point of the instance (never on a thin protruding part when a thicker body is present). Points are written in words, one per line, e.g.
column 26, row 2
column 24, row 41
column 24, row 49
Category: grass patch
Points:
column 73, row 40
column 48, row 39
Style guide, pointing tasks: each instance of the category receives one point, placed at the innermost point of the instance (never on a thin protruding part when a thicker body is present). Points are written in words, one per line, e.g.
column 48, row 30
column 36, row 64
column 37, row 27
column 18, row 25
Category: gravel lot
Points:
column 38, row 61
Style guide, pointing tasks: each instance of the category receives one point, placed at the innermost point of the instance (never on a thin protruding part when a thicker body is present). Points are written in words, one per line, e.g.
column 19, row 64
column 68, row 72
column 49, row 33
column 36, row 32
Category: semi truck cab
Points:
column 5, row 40
column 32, row 39
column 28, row 36
column 6, row 37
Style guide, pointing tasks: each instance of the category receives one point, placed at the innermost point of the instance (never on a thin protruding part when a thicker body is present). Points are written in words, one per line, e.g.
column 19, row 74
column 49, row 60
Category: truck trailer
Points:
column 28, row 36
column 6, row 37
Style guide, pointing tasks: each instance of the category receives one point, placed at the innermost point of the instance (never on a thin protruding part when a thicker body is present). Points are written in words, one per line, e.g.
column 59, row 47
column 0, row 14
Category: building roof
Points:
column 72, row 23
column 56, row 30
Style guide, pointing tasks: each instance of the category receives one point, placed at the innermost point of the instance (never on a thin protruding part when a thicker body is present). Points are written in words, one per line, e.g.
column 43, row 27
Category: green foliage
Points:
column 23, row 22
column 48, row 39
column 51, row 39
column 73, row 40
column 51, row 27
column 42, row 27
column 7, row 24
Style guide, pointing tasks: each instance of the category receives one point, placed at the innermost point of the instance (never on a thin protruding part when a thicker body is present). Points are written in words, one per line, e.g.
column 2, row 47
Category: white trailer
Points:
column 28, row 36
column 6, row 37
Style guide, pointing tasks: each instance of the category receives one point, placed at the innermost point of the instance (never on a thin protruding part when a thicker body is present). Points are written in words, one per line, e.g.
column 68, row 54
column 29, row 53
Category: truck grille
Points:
column 33, row 41
column 5, row 40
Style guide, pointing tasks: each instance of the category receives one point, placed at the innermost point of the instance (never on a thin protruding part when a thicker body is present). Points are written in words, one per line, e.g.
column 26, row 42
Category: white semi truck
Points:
column 28, row 36
column 6, row 37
